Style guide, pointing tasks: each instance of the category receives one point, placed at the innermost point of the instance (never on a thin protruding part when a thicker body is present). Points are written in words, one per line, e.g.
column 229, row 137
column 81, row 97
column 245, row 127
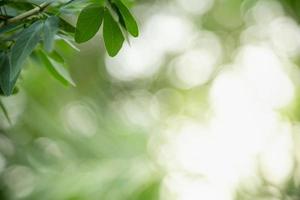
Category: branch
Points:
column 27, row 14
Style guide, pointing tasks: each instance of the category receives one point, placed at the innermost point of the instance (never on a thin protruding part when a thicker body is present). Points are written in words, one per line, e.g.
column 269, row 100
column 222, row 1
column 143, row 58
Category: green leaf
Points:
column 126, row 16
column 56, row 56
column 20, row 5
column 10, row 27
column 56, row 69
column 89, row 22
column 7, row 85
column 66, row 26
column 68, row 42
column 113, row 37
column 50, row 30
column 25, row 44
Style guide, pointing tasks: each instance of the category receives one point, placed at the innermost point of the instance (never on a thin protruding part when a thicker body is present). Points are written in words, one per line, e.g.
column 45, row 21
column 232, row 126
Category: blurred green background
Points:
column 203, row 105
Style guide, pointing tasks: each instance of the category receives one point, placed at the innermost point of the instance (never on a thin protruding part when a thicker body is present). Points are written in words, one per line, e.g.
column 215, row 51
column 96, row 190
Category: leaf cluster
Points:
column 117, row 23
column 29, row 30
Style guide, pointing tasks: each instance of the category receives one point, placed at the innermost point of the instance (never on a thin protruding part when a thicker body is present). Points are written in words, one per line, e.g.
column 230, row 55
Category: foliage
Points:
column 30, row 29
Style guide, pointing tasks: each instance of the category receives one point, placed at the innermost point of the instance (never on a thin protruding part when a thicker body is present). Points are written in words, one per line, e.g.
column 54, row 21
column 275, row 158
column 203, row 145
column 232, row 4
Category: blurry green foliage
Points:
column 114, row 163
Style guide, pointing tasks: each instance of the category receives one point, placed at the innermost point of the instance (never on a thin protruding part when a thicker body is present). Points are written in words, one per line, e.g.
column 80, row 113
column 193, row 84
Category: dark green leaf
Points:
column 7, row 86
column 25, row 44
column 21, row 5
column 50, row 30
column 118, row 12
column 10, row 27
column 112, row 34
column 56, row 69
column 66, row 26
column 89, row 22
column 15, row 91
column 127, row 18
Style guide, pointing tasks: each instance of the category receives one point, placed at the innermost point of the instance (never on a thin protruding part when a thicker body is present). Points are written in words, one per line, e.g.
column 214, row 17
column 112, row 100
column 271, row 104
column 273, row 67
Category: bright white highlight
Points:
column 285, row 36
column 264, row 73
column 161, row 34
column 244, row 130
column 139, row 60
column 180, row 187
column 277, row 158
column 265, row 11
column 196, row 66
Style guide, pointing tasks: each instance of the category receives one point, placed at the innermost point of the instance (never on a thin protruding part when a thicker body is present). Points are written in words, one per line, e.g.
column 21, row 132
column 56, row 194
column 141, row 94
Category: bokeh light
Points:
column 203, row 105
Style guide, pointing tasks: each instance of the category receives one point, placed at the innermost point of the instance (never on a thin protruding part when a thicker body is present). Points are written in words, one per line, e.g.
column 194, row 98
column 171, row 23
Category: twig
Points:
column 27, row 14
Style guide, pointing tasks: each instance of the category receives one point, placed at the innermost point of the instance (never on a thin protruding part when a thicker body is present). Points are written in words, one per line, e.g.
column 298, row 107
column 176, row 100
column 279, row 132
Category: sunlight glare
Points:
column 143, row 56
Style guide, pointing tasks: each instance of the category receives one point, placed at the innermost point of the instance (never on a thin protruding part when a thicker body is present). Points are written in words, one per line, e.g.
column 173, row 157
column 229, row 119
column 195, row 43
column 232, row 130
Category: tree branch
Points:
column 27, row 14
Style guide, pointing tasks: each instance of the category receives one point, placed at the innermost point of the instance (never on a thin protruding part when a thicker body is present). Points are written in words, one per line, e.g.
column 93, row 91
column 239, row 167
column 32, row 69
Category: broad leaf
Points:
column 113, row 37
column 127, row 18
column 25, row 44
column 89, row 22
column 56, row 69
column 50, row 30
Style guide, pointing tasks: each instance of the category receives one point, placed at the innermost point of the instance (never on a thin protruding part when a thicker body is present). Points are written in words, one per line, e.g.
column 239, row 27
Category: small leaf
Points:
column 25, row 44
column 89, row 22
column 56, row 69
column 113, row 37
column 50, row 30
column 126, row 16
